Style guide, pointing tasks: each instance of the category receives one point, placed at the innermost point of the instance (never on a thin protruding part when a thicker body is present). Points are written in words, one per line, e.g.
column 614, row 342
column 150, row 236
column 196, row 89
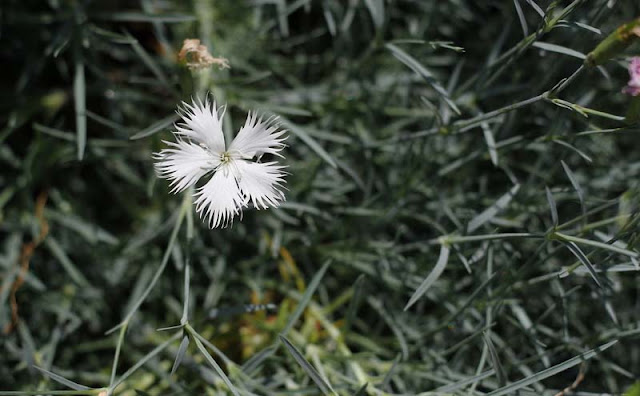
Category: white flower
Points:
column 236, row 179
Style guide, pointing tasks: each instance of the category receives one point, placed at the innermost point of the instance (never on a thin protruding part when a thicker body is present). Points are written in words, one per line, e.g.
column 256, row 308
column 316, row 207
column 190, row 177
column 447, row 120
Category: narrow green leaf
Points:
column 144, row 360
column 213, row 348
column 356, row 297
column 54, row 247
column 80, row 102
column 184, row 344
column 446, row 389
column 551, row 371
column 495, row 360
column 559, row 49
column 536, row 7
column 155, row 127
column 576, row 186
column 185, row 307
column 376, row 9
column 331, row 22
column 552, row 206
column 133, row 16
column 493, row 210
column 215, row 366
column 386, row 381
column 417, row 67
column 443, row 259
column 283, row 22
column 491, row 143
column 307, row 367
column 393, row 324
column 116, row 357
column 90, row 232
column 60, row 379
column 362, row 390
column 52, row 392
column 597, row 244
column 186, row 205
column 256, row 360
column 584, row 260
column 523, row 21
column 309, row 141
column 573, row 148
column 306, row 298
column 586, row 27
column 150, row 63
column 170, row 328
column 106, row 122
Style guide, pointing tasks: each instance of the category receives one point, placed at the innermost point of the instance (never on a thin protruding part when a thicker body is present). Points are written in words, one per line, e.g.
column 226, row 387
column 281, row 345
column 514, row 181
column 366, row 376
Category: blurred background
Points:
column 408, row 121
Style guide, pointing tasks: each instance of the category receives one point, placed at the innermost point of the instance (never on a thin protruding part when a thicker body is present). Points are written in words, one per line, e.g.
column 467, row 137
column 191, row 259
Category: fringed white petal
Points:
column 202, row 124
column 262, row 183
column 218, row 201
column 184, row 163
column 200, row 149
column 258, row 137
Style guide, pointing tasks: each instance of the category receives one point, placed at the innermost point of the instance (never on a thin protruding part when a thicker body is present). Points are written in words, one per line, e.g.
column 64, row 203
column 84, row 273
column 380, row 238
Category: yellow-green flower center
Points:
column 225, row 157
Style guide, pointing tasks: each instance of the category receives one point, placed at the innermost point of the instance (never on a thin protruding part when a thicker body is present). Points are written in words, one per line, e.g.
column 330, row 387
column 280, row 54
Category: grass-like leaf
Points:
column 80, row 98
column 184, row 344
column 559, row 49
column 493, row 210
column 215, row 366
column 495, row 360
column 423, row 72
column 576, row 186
column 376, row 9
column 309, row 141
column 551, row 371
column 324, row 386
column 585, row 261
column 433, row 276
column 156, row 127
column 60, row 379
column 306, row 298
column 135, row 16
column 552, row 206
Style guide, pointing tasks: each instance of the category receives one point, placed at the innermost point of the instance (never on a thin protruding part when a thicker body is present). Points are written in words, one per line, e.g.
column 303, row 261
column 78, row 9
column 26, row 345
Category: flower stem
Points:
column 588, row 242
column 449, row 240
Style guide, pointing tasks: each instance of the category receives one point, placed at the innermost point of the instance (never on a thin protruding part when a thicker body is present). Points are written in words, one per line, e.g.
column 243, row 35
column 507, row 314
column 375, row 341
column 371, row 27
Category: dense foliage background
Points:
column 400, row 171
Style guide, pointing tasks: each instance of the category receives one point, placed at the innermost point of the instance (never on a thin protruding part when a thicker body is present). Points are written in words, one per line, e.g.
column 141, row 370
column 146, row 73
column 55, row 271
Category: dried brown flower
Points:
column 196, row 56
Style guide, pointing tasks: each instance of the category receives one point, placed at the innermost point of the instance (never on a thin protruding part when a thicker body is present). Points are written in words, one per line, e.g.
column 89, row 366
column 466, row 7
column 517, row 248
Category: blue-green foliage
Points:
column 461, row 137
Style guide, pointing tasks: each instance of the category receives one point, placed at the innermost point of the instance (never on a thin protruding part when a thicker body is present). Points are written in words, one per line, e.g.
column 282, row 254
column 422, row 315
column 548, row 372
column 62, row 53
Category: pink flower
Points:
column 633, row 86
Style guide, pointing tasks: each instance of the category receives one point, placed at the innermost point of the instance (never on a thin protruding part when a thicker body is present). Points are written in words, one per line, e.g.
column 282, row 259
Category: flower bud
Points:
column 614, row 44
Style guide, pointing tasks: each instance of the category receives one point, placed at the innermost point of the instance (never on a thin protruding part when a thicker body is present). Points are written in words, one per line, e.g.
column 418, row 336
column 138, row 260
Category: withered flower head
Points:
column 196, row 56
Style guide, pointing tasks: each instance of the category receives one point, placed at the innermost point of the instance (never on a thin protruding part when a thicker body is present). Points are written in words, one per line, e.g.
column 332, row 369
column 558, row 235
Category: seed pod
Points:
column 615, row 43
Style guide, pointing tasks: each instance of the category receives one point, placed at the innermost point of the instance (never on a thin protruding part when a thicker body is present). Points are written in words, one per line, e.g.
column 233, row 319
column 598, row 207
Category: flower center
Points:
column 225, row 157
column 228, row 164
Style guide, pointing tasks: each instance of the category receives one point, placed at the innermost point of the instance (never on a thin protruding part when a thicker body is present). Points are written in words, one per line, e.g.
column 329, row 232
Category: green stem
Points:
column 449, row 240
column 588, row 242
column 53, row 392
column 599, row 113
column 186, row 205
column 116, row 358
column 492, row 114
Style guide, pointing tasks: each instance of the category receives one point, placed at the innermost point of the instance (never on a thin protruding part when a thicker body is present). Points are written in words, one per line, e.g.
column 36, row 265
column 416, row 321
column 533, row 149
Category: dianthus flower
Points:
column 236, row 179
column 633, row 86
